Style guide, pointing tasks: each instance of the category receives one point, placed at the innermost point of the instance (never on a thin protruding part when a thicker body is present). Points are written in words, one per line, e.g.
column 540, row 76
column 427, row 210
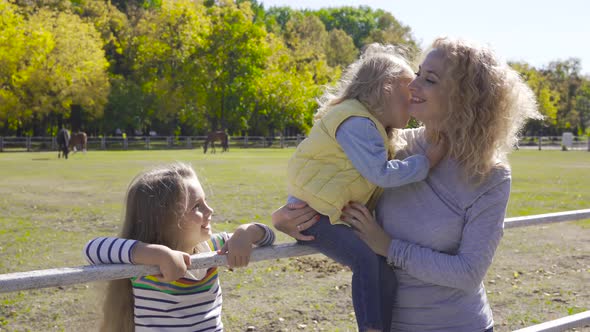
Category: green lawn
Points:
column 549, row 181
column 50, row 208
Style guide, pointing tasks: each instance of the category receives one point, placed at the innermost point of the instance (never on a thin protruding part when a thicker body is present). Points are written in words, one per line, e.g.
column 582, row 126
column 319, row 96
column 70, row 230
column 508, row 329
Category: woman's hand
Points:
column 291, row 219
column 361, row 219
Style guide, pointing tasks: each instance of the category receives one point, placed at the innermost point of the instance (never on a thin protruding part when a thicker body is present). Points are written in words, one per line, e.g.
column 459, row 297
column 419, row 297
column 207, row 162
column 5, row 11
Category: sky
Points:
column 536, row 32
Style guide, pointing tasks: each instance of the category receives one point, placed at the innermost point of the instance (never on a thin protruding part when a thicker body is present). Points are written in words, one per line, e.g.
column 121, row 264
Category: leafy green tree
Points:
column 276, row 18
column 340, row 49
column 124, row 108
column 235, row 59
column 131, row 6
column 75, row 71
column 547, row 98
column 22, row 53
column 115, row 31
column 306, row 38
column 185, row 67
column 284, row 97
column 59, row 66
column 167, row 48
column 356, row 22
column 390, row 31
column 583, row 108
column 564, row 77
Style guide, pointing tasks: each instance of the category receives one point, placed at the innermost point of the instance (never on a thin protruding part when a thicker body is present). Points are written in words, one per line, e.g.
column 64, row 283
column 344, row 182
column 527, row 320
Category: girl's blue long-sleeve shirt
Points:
column 363, row 145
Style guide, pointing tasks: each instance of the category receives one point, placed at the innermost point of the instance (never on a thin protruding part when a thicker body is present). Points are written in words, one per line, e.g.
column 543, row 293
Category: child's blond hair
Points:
column 366, row 79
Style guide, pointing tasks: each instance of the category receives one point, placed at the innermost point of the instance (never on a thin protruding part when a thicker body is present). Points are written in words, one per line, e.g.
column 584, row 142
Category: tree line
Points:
column 186, row 67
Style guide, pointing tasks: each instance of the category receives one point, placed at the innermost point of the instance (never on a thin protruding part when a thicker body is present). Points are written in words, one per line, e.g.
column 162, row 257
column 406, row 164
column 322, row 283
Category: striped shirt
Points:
column 186, row 304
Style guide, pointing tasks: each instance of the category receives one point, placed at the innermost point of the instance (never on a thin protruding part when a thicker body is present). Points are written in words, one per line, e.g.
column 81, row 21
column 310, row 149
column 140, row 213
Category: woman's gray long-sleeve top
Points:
column 445, row 233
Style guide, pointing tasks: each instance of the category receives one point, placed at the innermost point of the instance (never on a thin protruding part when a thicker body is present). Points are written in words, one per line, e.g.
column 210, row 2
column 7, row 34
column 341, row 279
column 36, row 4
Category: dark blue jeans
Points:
column 373, row 281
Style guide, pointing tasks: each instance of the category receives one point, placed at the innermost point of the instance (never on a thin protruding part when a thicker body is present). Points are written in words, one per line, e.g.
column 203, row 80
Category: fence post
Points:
column 169, row 141
column 147, row 142
column 125, row 144
column 246, row 141
column 53, row 143
column 588, row 144
column 189, row 143
column 28, row 143
column 103, row 143
column 2, row 144
column 540, row 140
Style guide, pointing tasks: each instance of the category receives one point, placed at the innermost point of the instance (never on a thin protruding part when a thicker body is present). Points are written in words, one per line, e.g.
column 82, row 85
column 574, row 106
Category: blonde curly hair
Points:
column 488, row 104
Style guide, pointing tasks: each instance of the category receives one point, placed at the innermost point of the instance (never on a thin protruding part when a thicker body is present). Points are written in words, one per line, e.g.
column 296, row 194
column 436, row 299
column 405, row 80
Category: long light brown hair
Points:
column 488, row 104
column 155, row 202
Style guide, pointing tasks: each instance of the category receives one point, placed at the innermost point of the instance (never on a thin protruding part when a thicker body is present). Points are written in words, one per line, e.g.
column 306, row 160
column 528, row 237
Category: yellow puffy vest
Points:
column 320, row 173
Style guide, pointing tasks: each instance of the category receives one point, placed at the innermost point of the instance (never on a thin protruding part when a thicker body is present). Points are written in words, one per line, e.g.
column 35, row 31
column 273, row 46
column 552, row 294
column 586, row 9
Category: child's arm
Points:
column 238, row 247
column 173, row 263
column 111, row 250
column 363, row 145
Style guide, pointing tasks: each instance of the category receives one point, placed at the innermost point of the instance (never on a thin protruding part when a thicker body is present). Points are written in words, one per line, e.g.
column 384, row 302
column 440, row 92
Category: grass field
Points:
column 50, row 208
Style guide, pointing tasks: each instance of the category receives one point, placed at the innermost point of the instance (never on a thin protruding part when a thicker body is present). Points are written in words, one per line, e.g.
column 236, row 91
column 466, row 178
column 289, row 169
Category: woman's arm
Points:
column 463, row 270
column 110, row 250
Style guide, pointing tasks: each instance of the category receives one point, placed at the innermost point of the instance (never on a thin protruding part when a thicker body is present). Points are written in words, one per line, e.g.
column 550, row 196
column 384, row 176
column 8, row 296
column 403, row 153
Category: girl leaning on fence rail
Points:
column 167, row 219
column 440, row 234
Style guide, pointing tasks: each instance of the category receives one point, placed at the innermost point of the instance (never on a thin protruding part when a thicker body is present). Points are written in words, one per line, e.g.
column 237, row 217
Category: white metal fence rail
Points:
column 18, row 281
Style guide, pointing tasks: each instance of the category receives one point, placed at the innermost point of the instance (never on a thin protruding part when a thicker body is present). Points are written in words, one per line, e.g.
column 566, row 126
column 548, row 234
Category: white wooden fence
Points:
column 579, row 143
column 48, row 143
column 18, row 281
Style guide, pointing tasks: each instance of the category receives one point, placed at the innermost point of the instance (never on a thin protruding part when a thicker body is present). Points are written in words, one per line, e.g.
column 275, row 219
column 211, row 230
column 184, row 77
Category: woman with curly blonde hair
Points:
column 485, row 105
column 440, row 234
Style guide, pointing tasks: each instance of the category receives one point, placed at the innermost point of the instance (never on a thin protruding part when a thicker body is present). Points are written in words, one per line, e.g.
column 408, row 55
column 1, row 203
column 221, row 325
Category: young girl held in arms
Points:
column 167, row 219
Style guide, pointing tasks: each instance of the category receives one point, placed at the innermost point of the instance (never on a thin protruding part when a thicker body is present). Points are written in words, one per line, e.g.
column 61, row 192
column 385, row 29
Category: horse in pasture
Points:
column 63, row 139
column 78, row 139
column 213, row 136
